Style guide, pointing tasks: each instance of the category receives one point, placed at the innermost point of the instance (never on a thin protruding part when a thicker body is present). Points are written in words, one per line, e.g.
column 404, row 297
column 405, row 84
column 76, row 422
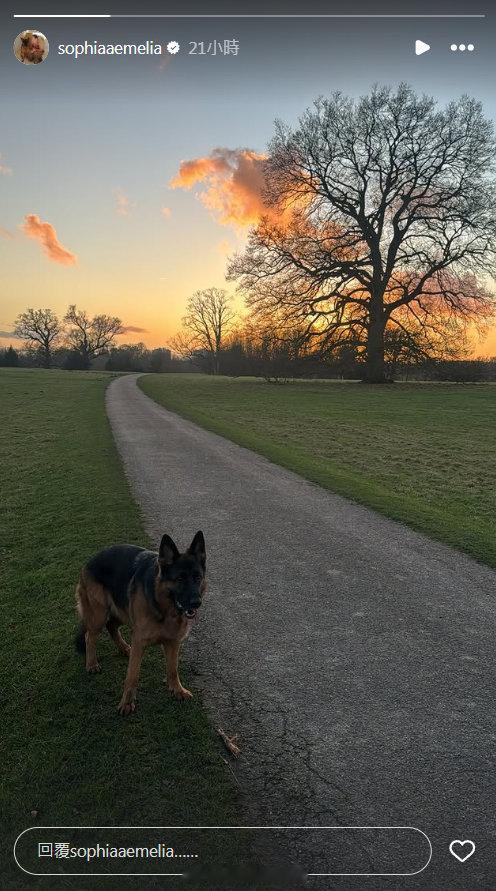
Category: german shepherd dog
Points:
column 157, row 594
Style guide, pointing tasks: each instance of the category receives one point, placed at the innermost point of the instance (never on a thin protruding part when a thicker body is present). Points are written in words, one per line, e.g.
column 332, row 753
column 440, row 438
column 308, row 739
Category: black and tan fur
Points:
column 156, row 594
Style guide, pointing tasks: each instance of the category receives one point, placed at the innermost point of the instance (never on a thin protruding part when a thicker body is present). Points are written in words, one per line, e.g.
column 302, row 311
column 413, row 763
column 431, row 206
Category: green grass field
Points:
column 67, row 756
column 424, row 454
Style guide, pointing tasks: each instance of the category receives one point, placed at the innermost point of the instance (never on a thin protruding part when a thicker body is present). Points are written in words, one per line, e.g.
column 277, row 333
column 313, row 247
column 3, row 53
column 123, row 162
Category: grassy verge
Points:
column 424, row 454
column 68, row 758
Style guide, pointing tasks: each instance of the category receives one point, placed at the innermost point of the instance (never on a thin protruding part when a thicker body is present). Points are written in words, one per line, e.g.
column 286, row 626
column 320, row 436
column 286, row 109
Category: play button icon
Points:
column 421, row 47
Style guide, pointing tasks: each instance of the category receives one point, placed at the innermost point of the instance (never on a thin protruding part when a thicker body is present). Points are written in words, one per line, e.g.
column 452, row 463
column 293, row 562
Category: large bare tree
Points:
column 90, row 337
column 381, row 216
column 209, row 318
column 41, row 330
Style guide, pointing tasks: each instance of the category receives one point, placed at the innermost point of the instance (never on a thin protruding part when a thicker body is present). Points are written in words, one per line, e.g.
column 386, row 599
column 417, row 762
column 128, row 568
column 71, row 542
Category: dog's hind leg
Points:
column 113, row 626
column 92, row 606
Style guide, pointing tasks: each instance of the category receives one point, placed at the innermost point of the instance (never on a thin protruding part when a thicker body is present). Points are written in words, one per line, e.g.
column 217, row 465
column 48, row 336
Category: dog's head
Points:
column 183, row 575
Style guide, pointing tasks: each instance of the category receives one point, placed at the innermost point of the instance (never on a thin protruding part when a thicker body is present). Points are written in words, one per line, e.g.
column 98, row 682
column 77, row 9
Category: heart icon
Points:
column 462, row 850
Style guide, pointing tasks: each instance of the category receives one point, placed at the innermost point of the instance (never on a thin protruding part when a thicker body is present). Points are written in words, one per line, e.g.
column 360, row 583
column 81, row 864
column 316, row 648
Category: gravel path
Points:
column 353, row 656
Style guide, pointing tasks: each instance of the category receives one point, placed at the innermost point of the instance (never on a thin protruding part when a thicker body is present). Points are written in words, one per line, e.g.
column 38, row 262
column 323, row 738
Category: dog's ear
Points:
column 168, row 553
column 198, row 550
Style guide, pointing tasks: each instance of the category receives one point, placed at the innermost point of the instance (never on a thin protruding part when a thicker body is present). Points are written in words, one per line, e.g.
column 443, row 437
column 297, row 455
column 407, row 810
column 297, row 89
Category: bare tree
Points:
column 183, row 345
column 209, row 317
column 41, row 330
column 382, row 216
column 90, row 337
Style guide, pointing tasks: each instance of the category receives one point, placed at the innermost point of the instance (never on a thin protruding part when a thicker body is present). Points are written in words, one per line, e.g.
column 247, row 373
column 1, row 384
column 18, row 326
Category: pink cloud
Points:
column 46, row 235
column 123, row 204
column 224, row 247
column 4, row 170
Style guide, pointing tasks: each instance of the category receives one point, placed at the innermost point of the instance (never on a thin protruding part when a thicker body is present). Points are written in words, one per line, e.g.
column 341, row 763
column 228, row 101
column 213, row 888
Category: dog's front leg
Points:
column 128, row 701
column 171, row 652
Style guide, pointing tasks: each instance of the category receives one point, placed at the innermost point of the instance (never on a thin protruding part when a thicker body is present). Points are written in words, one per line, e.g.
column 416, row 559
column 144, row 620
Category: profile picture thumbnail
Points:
column 31, row 47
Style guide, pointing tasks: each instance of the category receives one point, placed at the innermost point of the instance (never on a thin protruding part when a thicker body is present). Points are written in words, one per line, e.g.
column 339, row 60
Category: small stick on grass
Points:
column 229, row 767
column 230, row 742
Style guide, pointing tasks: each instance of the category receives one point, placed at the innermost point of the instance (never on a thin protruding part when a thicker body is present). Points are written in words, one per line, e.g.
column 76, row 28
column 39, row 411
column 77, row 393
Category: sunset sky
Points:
column 98, row 206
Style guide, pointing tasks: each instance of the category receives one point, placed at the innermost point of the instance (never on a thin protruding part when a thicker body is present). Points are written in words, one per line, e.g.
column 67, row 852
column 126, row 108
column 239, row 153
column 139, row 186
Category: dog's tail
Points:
column 80, row 639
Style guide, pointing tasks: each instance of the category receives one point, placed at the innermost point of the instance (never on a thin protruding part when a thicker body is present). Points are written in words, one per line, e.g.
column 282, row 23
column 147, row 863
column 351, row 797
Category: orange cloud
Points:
column 234, row 184
column 166, row 212
column 5, row 233
column 45, row 233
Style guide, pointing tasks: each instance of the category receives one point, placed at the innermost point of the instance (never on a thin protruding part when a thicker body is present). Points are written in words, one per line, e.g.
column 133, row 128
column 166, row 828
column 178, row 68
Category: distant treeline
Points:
column 280, row 363
column 238, row 359
column 128, row 357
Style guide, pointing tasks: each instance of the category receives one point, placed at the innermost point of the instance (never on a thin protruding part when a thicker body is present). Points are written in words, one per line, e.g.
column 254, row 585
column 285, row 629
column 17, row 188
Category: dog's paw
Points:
column 94, row 669
column 126, row 708
column 180, row 693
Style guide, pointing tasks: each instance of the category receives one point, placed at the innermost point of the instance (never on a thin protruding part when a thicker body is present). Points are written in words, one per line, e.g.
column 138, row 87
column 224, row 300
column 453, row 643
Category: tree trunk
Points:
column 46, row 356
column 375, row 368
